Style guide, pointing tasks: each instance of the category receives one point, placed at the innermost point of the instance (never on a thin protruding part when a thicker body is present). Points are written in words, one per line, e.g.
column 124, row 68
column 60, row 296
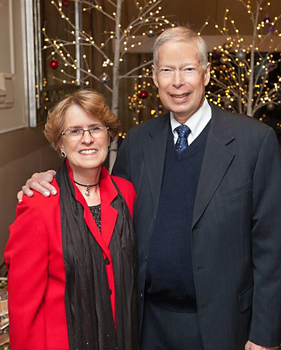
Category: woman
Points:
column 71, row 257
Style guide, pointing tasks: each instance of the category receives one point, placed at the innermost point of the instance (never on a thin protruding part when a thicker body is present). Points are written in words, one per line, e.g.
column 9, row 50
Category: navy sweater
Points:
column 169, row 276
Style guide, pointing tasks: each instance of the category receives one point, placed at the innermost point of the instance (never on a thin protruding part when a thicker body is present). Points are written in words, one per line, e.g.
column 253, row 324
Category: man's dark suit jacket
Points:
column 236, row 229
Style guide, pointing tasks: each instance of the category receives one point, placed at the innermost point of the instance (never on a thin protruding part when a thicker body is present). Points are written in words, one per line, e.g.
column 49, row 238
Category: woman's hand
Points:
column 39, row 182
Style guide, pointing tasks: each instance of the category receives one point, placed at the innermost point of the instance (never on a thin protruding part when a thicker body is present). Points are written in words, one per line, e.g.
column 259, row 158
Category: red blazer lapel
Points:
column 88, row 217
column 108, row 214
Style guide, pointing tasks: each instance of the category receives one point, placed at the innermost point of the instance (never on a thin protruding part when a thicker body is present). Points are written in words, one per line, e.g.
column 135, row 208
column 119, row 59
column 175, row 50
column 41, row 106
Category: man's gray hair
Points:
column 181, row 34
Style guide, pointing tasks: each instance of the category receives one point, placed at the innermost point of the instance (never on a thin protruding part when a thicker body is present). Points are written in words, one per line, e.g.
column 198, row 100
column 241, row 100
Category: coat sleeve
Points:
column 26, row 257
column 266, row 245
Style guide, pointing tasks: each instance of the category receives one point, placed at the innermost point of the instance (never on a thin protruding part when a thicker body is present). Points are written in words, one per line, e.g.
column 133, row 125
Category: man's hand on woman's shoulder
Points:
column 39, row 182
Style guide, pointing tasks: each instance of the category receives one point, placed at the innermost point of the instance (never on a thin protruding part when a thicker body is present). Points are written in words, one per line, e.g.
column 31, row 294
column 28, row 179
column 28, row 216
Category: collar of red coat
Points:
column 108, row 191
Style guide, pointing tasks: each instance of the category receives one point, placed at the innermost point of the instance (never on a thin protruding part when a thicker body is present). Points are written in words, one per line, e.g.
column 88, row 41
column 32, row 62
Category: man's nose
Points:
column 178, row 79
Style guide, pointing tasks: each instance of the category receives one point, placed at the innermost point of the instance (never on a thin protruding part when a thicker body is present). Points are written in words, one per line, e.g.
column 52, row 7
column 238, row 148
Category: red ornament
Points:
column 54, row 63
column 143, row 94
column 65, row 3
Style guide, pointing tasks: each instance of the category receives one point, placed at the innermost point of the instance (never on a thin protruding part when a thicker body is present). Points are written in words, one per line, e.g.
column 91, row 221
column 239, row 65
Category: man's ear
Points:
column 154, row 76
column 207, row 74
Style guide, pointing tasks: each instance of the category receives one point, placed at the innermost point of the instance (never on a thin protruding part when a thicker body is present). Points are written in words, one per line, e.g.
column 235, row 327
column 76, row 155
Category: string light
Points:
column 233, row 70
column 62, row 49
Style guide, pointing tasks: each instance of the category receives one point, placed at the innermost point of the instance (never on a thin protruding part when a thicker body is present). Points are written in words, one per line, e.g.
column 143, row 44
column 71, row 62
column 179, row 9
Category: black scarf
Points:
column 87, row 296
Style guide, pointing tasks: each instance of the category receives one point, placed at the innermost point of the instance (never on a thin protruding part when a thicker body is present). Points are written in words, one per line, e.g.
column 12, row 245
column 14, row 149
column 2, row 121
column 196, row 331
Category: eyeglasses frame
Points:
column 84, row 130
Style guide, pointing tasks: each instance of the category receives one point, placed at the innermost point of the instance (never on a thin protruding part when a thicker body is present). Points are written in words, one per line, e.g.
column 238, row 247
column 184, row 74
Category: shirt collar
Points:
column 196, row 122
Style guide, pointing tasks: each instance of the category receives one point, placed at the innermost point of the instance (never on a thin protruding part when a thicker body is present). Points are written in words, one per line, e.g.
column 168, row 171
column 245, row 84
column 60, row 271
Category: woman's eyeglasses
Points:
column 94, row 131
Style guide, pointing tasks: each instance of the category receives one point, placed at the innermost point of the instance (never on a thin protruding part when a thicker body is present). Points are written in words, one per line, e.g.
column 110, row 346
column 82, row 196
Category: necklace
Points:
column 87, row 193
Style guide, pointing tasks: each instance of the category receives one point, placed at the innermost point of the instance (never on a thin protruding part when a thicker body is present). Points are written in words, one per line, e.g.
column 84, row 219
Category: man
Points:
column 207, row 213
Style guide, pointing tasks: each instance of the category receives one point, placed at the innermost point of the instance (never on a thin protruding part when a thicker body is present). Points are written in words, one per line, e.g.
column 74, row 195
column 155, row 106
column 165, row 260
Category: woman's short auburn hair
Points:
column 91, row 102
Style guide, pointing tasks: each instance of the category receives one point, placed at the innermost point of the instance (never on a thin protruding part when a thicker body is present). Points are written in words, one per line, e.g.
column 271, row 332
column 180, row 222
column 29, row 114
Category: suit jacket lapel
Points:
column 154, row 156
column 217, row 159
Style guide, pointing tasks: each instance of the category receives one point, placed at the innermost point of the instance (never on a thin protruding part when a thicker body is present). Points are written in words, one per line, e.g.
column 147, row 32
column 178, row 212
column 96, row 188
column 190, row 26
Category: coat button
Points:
column 141, row 296
column 106, row 261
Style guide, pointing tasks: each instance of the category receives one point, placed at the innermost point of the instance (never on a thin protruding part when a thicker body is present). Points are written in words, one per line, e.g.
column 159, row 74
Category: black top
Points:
column 95, row 210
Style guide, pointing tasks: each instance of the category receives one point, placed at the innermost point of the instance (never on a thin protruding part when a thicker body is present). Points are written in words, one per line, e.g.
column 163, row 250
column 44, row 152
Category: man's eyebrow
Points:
column 167, row 65
column 183, row 65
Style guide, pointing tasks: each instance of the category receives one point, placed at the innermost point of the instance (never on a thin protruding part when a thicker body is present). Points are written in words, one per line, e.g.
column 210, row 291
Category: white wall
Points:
column 23, row 150
column 12, row 61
